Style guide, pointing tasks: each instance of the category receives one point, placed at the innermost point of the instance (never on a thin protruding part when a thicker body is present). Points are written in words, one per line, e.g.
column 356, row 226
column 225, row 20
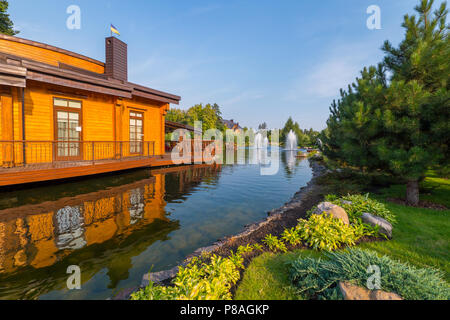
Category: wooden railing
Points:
column 192, row 145
column 20, row 153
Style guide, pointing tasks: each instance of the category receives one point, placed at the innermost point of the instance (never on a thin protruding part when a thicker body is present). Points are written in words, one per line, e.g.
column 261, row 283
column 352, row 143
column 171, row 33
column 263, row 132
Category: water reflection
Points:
column 118, row 227
column 70, row 233
column 97, row 229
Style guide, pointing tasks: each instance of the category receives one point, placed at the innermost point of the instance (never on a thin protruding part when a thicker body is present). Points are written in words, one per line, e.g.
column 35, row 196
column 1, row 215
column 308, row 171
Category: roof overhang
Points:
column 11, row 75
column 14, row 71
column 172, row 126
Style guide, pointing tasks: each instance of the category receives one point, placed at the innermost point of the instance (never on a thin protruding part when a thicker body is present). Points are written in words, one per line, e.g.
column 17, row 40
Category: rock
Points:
column 383, row 295
column 352, row 292
column 332, row 209
column 159, row 277
column 385, row 227
column 124, row 294
column 347, row 202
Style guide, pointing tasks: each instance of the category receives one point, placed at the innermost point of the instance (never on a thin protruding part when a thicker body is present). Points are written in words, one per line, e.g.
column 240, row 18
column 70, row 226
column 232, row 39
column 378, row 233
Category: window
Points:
column 67, row 128
column 136, row 131
column 58, row 102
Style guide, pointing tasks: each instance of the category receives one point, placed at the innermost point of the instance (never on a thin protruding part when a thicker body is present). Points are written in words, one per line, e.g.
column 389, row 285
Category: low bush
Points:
column 323, row 232
column 291, row 236
column 208, row 277
column 274, row 244
column 318, row 278
column 356, row 205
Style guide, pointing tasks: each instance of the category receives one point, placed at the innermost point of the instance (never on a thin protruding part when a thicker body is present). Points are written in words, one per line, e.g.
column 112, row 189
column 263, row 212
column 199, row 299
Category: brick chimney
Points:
column 116, row 59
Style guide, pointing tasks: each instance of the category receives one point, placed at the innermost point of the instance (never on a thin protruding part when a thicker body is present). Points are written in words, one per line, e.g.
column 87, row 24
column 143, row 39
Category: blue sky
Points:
column 259, row 60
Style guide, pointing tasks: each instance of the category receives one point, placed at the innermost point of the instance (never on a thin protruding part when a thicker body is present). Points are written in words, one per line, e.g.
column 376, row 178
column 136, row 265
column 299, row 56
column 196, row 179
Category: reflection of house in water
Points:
column 70, row 224
column 38, row 239
column 118, row 222
column 136, row 206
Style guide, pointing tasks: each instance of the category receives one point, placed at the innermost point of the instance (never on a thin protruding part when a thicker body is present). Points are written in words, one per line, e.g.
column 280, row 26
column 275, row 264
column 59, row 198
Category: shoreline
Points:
column 277, row 221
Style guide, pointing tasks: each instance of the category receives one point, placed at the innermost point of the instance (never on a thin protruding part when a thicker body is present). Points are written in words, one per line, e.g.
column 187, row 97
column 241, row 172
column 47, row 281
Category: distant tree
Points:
column 262, row 126
column 209, row 115
column 177, row 115
column 6, row 25
column 302, row 139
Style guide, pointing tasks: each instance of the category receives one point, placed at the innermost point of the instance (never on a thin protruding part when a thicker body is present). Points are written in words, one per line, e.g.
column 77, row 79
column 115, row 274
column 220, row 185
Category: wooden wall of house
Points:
column 48, row 56
column 104, row 118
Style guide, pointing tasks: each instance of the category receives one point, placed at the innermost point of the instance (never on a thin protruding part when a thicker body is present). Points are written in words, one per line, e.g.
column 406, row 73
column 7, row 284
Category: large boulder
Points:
column 385, row 226
column 333, row 210
column 352, row 292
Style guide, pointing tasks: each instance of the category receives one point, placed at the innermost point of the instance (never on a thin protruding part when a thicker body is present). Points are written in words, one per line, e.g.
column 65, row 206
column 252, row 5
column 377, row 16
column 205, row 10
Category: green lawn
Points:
column 421, row 237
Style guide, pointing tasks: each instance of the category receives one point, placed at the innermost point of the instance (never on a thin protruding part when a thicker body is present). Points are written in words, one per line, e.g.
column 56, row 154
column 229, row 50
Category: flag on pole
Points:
column 114, row 30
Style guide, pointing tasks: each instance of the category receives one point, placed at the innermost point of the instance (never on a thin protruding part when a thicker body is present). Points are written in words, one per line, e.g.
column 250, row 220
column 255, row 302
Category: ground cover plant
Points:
column 319, row 278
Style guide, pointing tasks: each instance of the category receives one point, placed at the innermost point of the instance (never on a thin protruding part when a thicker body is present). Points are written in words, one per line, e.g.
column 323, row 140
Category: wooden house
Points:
column 60, row 110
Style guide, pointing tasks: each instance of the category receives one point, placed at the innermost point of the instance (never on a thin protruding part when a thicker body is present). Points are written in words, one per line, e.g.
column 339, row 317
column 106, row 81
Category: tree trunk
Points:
column 412, row 193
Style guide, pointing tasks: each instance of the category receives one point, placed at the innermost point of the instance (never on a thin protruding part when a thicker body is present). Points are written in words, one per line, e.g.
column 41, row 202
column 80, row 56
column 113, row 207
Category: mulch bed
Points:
column 422, row 204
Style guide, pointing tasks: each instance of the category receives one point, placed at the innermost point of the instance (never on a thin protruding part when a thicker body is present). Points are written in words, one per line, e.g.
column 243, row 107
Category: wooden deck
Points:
column 65, row 170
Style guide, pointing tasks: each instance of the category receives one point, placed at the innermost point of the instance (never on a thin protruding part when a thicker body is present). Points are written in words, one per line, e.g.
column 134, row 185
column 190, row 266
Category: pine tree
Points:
column 416, row 115
column 6, row 25
column 402, row 125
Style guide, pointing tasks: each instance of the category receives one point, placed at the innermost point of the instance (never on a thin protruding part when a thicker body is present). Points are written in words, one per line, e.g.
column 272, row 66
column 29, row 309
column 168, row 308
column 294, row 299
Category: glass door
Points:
column 68, row 133
column 136, row 132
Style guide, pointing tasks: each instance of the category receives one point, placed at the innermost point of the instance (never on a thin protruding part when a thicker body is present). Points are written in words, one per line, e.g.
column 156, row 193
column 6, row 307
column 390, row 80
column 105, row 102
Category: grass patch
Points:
column 266, row 278
column 420, row 237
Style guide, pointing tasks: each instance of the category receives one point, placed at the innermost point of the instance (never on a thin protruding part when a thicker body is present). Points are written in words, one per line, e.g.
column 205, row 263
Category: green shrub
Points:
column 258, row 247
column 291, row 236
column 274, row 244
column 323, row 232
column 359, row 205
column 200, row 280
column 318, row 279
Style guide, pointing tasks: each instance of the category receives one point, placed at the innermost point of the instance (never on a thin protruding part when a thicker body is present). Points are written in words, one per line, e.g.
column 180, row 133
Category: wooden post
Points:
column 93, row 153
column 7, row 129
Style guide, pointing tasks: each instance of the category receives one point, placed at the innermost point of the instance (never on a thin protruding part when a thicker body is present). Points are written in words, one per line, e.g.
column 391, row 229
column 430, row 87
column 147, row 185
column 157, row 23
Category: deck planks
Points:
column 17, row 176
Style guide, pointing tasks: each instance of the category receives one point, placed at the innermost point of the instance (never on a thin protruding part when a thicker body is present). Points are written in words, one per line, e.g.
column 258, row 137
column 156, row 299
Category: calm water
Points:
column 116, row 228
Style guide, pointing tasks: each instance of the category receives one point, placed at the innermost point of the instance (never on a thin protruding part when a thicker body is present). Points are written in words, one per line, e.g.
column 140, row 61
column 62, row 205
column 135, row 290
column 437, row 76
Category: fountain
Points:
column 261, row 142
column 291, row 141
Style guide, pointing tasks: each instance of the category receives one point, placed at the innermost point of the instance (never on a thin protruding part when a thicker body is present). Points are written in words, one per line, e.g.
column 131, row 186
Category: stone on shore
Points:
column 331, row 209
column 352, row 292
column 385, row 226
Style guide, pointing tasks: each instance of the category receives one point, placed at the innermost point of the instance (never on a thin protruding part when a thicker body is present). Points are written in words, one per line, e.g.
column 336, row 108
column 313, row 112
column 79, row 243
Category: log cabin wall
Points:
column 104, row 117
column 100, row 122
column 48, row 54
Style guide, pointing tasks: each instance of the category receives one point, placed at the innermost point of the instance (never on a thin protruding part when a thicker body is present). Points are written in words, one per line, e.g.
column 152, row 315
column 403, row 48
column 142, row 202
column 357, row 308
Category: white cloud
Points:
column 333, row 72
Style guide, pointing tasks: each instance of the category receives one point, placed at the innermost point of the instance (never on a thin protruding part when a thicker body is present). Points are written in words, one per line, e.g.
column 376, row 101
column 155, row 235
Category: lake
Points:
column 116, row 228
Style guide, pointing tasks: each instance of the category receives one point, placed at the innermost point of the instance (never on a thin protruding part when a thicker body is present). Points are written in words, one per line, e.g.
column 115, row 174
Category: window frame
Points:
column 141, row 118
